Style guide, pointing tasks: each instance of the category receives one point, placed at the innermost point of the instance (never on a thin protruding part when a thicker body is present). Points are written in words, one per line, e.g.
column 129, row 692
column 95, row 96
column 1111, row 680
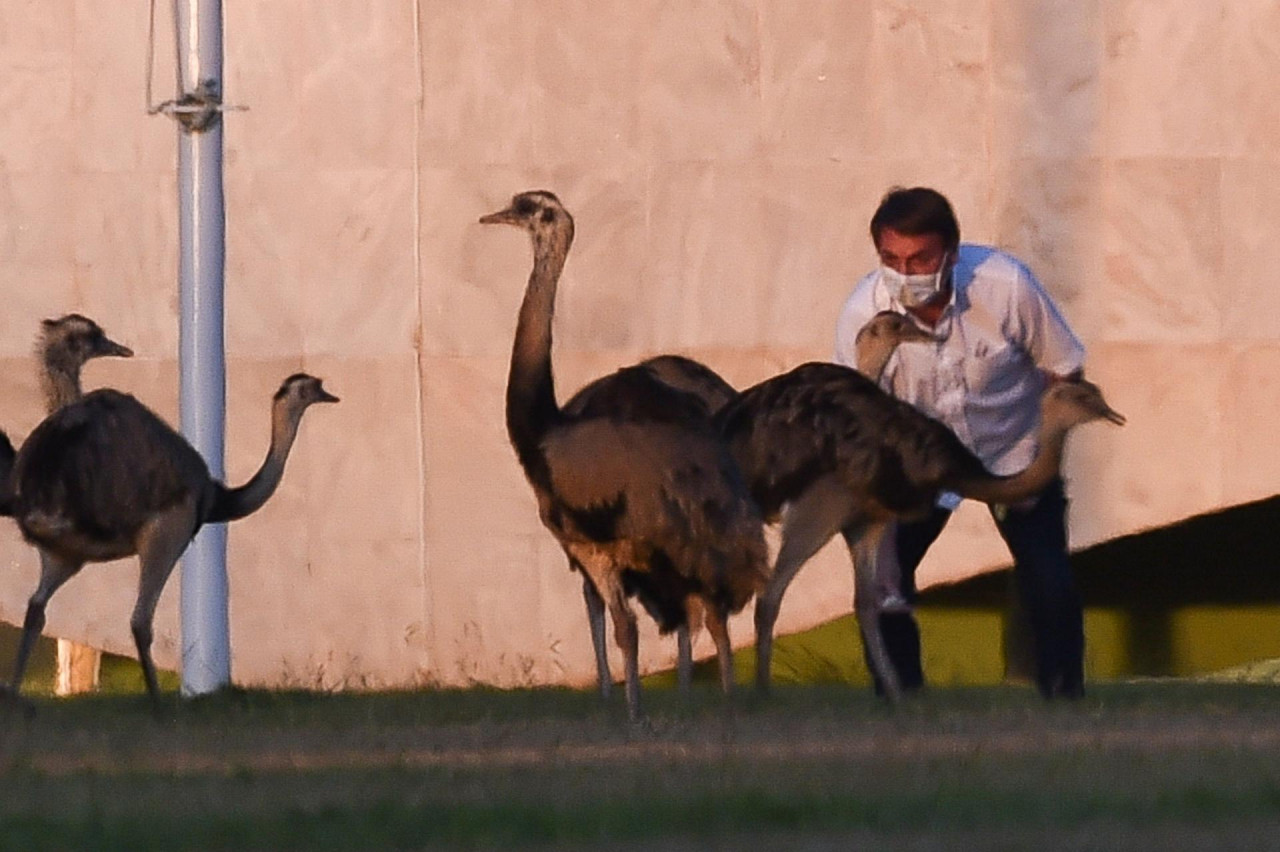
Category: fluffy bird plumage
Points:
column 641, row 501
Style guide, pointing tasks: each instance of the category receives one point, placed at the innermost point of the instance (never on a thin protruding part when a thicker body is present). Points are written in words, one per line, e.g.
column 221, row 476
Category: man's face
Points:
column 922, row 254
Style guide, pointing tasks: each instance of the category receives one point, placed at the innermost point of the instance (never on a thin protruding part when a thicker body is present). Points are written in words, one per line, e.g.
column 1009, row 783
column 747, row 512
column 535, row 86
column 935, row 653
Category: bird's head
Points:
column 300, row 391
column 1075, row 401
column 77, row 338
column 877, row 340
column 890, row 328
column 539, row 212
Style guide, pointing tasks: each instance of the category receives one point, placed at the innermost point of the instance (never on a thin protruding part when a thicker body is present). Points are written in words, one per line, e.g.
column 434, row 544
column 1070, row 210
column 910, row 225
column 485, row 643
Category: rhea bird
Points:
column 104, row 478
column 649, row 507
column 826, row 450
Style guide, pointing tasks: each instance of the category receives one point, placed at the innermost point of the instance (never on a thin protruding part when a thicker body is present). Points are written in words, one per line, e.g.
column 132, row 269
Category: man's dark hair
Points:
column 916, row 211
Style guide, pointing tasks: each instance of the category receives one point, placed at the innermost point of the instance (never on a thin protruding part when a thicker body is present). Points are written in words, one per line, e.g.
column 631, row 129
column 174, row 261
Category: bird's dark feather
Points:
column 104, row 465
column 822, row 418
column 636, row 394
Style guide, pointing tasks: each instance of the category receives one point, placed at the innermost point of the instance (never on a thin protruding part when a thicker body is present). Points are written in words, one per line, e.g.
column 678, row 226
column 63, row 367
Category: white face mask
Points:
column 914, row 290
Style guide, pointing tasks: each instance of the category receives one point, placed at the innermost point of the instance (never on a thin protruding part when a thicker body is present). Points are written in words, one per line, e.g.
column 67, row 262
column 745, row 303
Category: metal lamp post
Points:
column 206, row 646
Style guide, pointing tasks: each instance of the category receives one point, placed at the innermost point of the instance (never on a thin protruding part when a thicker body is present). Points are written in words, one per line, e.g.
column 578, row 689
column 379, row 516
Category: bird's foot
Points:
column 640, row 725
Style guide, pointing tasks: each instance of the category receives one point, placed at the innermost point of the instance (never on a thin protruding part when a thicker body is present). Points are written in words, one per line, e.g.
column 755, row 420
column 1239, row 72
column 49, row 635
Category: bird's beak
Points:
column 325, row 396
column 119, row 350
column 1105, row 411
column 502, row 217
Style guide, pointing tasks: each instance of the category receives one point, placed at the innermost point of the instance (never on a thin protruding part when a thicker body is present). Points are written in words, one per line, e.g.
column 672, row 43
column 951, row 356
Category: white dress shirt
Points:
column 983, row 376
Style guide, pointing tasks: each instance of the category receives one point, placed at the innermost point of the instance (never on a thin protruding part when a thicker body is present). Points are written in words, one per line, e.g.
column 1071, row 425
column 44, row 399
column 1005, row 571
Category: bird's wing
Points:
column 823, row 419
column 668, row 389
column 690, row 376
column 652, row 467
column 105, row 463
column 793, row 429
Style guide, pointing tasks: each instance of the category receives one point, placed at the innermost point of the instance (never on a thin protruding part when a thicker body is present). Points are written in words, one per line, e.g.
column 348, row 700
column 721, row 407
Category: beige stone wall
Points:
column 721, row 160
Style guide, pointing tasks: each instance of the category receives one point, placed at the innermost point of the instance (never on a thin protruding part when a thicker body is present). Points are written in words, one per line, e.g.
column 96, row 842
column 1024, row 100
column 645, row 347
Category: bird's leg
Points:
column 142, row 639
column 864, row 546
column 595, row 616
column 160, row 544
column 627, row 637
column 693, row 617
column 718, row 627
column 54, row 571
column 809, row 523
column 32, row 626
column 887, row 571
column 684, row 660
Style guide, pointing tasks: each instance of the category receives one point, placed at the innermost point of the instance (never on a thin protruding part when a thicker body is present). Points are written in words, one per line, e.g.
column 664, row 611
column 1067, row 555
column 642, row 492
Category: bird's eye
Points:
column 525, row 206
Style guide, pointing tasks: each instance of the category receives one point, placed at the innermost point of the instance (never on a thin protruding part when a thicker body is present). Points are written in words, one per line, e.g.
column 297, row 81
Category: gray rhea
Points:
column 825, row 450
column 642, row 506
column 104, row 478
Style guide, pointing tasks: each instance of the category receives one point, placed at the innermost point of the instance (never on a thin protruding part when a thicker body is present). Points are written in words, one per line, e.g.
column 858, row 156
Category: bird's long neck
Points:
column 873, row 352
column 1033, row 479
column 531, row 393
column 234, row 503
column 59, row 380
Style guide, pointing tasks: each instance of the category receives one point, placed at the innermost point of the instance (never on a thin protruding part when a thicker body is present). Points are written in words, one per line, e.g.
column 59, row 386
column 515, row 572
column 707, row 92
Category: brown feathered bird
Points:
column 825, row 450
column 641, row 506
column 104, row 477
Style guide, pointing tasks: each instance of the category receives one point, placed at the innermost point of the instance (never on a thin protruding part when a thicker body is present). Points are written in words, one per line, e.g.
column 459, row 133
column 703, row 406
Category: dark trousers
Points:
column 1037, row 539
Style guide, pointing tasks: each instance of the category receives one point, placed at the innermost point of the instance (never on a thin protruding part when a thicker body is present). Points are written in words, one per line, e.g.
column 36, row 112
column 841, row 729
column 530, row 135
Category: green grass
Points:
column 959, row 647
column 1139, row 765
column 118, row 676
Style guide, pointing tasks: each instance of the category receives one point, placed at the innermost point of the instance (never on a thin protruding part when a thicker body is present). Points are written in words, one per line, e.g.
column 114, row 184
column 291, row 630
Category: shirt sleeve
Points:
column 858, row 310
column 1040, row 329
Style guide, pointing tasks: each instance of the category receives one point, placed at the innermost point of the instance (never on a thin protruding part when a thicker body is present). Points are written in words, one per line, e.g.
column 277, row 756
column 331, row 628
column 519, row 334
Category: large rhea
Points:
column 826, row 451
column 103, row 477
column 646, row 506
